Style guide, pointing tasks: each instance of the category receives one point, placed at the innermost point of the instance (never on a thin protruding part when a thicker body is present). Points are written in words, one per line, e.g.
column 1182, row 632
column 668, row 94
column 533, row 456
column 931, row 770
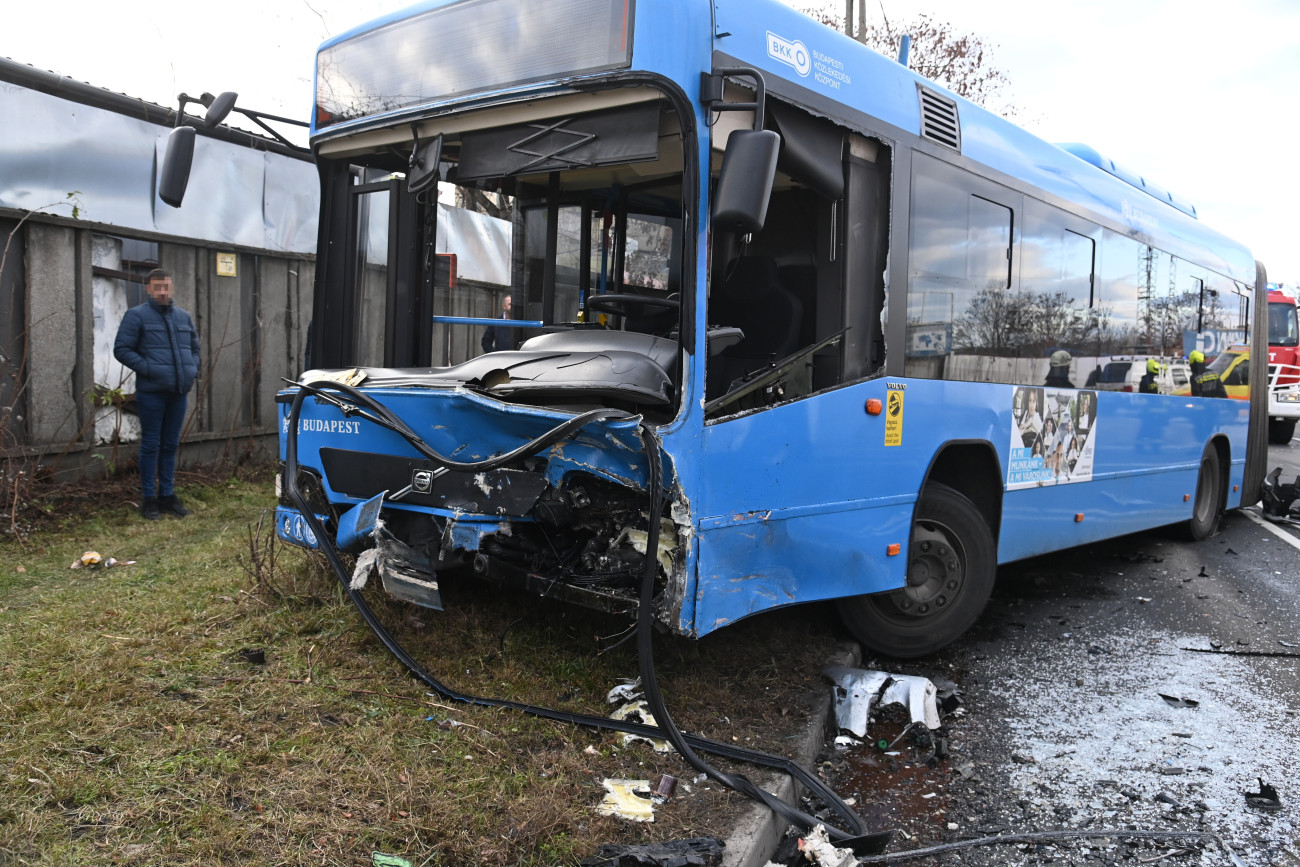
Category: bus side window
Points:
column 961, row 293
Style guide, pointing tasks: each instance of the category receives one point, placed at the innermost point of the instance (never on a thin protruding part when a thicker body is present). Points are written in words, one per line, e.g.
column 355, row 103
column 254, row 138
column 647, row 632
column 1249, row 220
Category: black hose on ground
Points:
column 684, row 743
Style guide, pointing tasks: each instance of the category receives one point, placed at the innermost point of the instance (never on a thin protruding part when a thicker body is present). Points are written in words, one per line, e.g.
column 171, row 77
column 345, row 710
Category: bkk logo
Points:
column 791, row 53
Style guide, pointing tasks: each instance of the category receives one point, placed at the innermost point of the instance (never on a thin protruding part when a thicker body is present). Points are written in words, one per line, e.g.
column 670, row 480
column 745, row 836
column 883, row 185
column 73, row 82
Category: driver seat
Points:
column 753, row 299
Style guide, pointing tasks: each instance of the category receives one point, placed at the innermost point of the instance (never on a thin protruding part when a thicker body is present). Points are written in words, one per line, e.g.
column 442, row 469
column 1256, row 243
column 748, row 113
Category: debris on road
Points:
column 1265, row 799
column 1277, row 497
column 818, row 849
column 692, row 852
column 858, row 690
column 665, row 789
column 627, row 799
column 1177, row 701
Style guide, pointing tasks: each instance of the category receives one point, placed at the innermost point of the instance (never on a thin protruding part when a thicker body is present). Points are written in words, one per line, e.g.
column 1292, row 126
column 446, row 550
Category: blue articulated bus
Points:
column 789, row 323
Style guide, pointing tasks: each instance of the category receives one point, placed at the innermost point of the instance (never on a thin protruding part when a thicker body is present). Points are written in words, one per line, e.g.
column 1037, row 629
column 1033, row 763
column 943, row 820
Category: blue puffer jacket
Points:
column 161, row 345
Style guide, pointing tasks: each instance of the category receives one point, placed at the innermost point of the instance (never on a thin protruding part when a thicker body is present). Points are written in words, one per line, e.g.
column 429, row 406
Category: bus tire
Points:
column 949, row 580
column 1280, row 430
column 1207, row 505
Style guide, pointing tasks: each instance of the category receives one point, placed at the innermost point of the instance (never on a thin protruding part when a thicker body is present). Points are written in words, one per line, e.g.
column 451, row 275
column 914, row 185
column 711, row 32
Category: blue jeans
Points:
column 161, row 416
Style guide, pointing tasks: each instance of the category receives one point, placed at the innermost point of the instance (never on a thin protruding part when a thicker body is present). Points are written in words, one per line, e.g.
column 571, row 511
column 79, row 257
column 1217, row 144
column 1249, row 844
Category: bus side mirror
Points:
column 745, row 183
column 174, row 176
column 175, row 173
column 218, row 106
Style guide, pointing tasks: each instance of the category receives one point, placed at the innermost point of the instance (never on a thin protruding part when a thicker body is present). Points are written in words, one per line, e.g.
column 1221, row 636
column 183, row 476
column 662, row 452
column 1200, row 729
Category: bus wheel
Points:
column 1207, row 505
column 1280, row 431
column 949, row 580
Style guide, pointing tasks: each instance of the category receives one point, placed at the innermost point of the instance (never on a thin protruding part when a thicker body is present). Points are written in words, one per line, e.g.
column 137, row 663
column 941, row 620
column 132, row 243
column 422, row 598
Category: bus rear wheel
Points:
column 949, row 580
column 1207, row 505
column 1280, row 430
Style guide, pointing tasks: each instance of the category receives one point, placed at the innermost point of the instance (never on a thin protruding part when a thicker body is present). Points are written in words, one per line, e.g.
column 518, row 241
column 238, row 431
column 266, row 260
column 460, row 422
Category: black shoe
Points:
column 149, row 509
column 172, row 505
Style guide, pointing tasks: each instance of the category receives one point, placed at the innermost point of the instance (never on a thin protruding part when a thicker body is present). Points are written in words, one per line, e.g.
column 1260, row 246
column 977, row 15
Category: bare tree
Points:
column 961, row 62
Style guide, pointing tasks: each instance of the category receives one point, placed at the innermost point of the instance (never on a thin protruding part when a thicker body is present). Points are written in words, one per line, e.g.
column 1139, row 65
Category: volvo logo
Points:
column 422, row 481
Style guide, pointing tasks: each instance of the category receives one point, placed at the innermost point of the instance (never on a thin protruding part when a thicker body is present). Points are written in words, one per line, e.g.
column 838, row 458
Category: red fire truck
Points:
column 1283, row 364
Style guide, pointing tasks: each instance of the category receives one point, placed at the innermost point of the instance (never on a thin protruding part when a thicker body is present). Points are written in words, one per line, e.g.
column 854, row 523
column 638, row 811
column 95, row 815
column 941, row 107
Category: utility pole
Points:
column 860, row 33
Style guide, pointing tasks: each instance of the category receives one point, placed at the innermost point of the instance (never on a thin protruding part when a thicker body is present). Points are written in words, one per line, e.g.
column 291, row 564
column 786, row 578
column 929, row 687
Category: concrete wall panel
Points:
column 55, row 414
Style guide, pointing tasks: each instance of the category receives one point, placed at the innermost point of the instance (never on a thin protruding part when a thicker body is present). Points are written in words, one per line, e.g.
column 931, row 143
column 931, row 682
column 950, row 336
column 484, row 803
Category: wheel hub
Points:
column 934, row 574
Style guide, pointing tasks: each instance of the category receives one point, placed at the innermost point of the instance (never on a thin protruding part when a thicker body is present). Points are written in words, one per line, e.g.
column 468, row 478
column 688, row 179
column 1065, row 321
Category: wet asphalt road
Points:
column 1064, row 727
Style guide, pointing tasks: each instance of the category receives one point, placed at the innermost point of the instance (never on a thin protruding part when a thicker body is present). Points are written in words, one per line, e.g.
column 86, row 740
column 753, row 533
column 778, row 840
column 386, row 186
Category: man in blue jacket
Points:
column 158, row 341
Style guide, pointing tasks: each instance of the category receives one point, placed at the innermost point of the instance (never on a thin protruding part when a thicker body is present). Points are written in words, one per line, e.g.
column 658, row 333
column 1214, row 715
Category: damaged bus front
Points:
column 528, row 465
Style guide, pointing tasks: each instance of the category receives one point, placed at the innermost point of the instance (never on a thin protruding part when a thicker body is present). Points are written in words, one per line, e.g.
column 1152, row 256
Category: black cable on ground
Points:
column 654, row 697
column 1047, row 836
column 685, row 744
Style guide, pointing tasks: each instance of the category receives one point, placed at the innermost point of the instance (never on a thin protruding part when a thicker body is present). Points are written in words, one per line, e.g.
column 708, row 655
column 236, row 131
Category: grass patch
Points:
column 221, row 702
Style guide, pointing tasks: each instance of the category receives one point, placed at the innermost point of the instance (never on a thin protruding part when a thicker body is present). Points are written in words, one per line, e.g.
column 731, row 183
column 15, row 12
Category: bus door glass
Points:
column 372, row 210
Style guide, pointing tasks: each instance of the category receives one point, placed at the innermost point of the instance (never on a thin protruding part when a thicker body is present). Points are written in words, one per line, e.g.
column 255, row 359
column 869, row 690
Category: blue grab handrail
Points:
column 478, row 320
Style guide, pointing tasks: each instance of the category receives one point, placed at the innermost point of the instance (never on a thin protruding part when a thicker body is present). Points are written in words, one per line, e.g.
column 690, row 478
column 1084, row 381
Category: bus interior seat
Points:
column 802, row 281
column 753, row 299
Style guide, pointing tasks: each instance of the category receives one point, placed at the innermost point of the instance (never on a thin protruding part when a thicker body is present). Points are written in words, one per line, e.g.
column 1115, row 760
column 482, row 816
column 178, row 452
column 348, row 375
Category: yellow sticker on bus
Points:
column 894, row 419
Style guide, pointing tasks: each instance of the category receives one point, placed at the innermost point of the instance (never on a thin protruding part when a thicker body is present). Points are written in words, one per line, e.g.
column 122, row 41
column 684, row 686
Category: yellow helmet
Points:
column 1153, row 366
column 1197, row 357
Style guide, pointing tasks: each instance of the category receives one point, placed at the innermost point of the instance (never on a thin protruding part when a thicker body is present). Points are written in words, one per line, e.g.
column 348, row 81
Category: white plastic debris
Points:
column 627, row 690
column 857, row 690
column 638, row 711
column 817, row 848
column 627, row 799
column 361, row 572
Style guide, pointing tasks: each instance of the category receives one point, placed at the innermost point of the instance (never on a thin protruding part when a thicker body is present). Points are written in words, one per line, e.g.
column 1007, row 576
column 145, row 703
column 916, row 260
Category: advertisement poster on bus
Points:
column 1053, row 437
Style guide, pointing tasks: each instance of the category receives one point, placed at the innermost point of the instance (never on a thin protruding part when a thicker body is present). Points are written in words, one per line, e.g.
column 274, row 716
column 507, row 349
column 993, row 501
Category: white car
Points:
column 1125, row 374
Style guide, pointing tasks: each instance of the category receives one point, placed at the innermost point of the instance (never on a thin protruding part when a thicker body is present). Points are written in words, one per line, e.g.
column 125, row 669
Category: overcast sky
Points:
column 1198, row 96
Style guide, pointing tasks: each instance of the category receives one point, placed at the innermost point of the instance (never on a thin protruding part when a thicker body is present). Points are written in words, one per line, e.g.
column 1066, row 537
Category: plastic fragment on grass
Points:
column 627, row 690
column 818, row 849
column 361, row 572
column 379, row 859
column 638, row 711
column 858, row 690
column 91, row 559
column 627, row 799
column 693, row 852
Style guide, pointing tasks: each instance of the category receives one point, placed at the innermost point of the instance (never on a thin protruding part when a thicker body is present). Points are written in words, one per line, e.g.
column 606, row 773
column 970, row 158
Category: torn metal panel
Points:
column 844, row 536
column 859, row 690
column 466, row 534
column 406, row 572
column 359, row 523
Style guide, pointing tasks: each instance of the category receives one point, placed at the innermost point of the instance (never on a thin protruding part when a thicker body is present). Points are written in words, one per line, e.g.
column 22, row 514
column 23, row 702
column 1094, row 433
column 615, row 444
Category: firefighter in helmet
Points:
column 1148, row 384
column 1205, row 383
